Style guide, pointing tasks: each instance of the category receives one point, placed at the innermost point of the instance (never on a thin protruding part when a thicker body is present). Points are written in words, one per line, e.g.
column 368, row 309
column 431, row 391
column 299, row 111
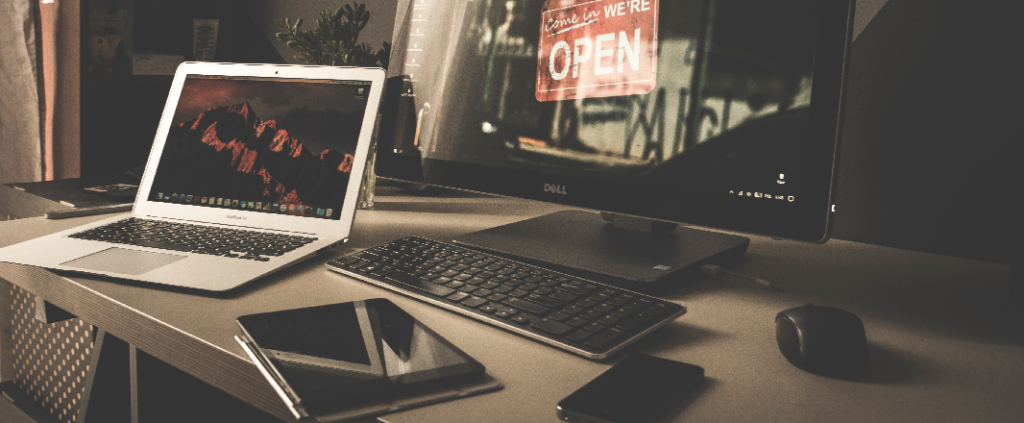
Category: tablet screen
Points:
column 354, row 348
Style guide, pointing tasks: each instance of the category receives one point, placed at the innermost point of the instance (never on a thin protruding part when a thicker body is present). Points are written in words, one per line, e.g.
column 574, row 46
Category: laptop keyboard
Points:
column 582, row 316
column 218, row 241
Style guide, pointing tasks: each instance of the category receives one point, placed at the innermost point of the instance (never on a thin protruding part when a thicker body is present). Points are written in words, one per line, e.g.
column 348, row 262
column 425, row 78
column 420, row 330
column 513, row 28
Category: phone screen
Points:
column 639, row 389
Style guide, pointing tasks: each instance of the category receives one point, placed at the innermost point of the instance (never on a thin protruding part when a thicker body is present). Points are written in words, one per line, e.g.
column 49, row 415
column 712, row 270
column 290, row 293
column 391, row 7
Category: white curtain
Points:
column 21, row 153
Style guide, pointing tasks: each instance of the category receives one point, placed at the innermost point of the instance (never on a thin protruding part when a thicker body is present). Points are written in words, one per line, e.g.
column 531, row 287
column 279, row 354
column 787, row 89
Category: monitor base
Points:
column 584, row 241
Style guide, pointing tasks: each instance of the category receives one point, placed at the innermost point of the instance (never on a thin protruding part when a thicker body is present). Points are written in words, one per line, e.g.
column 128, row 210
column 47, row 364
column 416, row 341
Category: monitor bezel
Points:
column 808, row 219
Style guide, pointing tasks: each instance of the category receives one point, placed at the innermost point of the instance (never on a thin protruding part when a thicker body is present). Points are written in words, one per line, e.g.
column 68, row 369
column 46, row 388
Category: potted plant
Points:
column 335, row 42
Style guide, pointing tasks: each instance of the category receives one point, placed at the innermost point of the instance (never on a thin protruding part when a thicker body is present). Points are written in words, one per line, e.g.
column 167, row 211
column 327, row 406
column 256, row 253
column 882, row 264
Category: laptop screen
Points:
column 283, row 146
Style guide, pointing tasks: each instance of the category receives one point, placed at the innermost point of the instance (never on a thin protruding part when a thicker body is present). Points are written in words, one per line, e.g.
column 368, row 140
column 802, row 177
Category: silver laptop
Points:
column 254, row 168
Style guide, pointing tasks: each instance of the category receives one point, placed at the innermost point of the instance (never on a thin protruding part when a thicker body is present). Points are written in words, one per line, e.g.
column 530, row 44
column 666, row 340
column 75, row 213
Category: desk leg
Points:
column 107, row 392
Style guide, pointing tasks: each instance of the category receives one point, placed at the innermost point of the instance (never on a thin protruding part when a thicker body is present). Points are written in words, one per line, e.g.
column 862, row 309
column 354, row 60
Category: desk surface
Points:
column 945, row 343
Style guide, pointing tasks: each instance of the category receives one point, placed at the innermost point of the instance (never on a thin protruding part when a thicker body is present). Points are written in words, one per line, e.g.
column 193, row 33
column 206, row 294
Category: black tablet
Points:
column 352, row 351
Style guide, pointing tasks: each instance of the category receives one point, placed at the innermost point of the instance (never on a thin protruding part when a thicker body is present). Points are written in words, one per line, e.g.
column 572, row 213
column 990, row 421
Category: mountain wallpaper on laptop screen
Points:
column 229, row 152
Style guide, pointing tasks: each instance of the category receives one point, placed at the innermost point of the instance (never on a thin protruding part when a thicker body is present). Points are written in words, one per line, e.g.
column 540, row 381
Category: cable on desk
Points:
column 716, row 270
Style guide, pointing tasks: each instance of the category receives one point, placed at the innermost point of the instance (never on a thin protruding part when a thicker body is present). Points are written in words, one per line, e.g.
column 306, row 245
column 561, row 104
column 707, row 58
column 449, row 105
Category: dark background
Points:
column 930, row 156
column 929, row 151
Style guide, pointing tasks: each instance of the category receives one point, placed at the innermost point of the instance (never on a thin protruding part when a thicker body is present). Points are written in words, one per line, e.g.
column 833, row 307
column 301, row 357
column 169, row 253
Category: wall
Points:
column 930, row 145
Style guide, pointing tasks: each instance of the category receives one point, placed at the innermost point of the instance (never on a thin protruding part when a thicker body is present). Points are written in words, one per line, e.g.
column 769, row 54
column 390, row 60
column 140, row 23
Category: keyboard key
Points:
column 543, row 300
column 577, row 335
column 564, row 296
column 160, row 245
column 383, row 271
column 345, row 261
column 576, row 321
column 633, row 322
column 558, row 315
column 605, row 337
column 458, row 296
column 518, row 293
column 520, row 319
column 420, row 284
column 526, row 305
column 578, row 290
column 657, row 310
column 636, row 306
column 543, row 290
column 574, row 309
column 551, row 326
column 474, row 302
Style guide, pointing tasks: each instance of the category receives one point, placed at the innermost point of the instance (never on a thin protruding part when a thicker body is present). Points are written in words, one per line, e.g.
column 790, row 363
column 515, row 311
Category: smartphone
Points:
column 640, row 389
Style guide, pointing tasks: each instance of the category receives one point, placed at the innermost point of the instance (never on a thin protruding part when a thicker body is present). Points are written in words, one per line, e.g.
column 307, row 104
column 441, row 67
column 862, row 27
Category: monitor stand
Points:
column 638, row 252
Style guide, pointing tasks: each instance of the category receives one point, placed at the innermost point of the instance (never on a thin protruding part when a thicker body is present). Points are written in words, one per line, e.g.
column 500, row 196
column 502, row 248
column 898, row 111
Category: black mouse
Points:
column 823, row 340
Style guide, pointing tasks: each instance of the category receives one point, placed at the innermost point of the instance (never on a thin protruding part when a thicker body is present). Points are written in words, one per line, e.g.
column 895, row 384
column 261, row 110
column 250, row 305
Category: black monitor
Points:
column 713, row 113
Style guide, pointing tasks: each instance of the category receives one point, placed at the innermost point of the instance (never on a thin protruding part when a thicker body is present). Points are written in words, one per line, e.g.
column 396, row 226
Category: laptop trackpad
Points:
column 128, row 262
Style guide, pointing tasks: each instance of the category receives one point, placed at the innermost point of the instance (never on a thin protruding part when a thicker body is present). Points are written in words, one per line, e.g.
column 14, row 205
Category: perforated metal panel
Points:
column 50, row 360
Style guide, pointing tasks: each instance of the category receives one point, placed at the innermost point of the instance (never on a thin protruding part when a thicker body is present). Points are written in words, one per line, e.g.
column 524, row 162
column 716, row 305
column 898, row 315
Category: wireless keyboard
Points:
column 578, row 315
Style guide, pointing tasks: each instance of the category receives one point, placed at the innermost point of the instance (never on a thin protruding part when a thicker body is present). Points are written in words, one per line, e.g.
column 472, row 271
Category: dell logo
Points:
column 555, row 189
column 231, row 216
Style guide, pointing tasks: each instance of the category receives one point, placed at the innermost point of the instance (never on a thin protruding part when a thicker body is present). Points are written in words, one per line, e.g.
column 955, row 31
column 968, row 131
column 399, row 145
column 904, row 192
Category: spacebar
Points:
column 415, row 282
column 161, row 245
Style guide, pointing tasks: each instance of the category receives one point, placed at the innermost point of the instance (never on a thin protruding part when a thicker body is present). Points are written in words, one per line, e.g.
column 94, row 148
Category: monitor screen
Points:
column 720, row 113
column 272, row 145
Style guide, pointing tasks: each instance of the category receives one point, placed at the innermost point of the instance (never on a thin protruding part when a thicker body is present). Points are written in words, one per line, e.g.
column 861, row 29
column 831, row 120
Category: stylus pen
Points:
column 714, row 269
column 88, row 211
